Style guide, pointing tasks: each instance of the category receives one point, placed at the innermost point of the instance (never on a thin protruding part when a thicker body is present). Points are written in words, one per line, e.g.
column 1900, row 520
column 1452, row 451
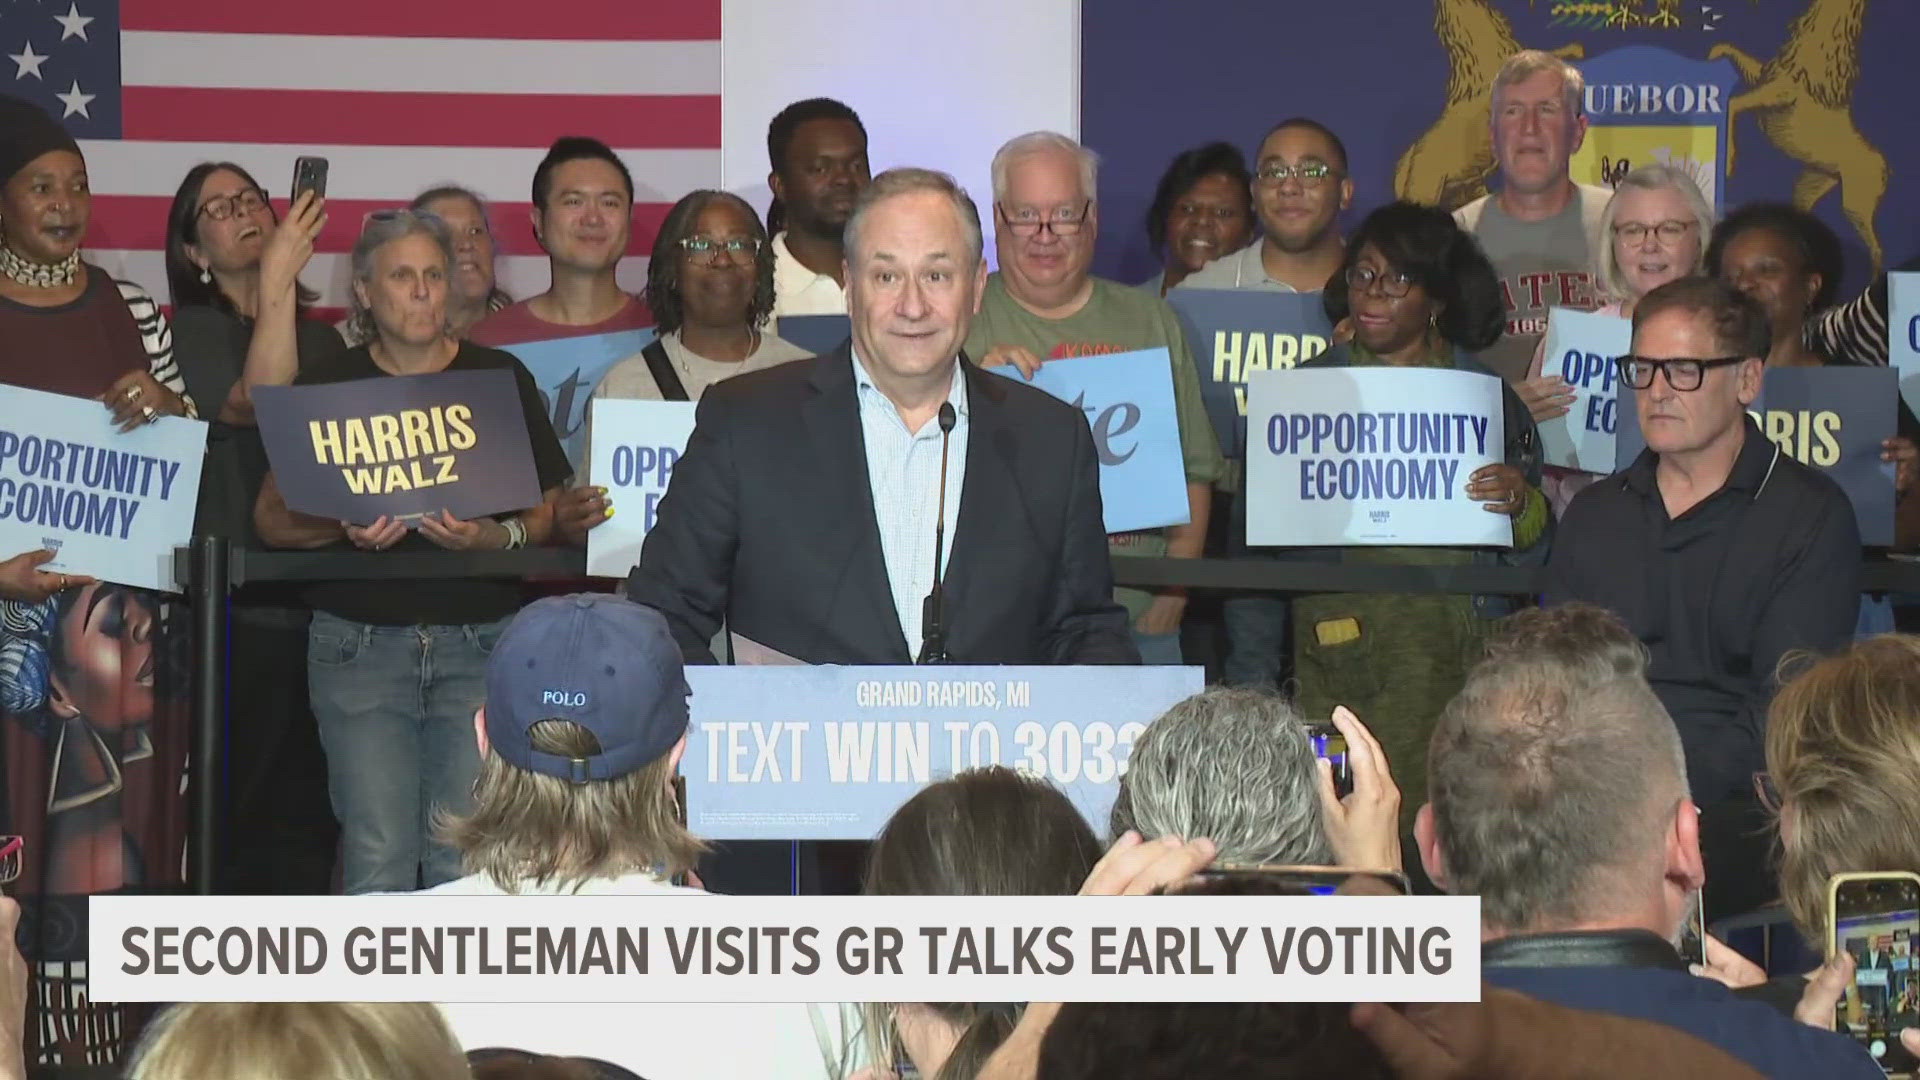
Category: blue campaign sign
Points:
column 1832, row 418
column 829, row 753
column 818, row 334
column 1128, row 399
column 635, row 446
column 107, row 504
column 1342, row 456
column 1581, row 348
column 1903, row 333
column 1234, row 333
column 568, row 370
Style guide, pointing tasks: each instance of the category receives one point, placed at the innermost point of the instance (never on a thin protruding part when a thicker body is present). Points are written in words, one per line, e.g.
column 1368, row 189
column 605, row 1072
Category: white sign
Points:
column 633, row 449
column 111, row 504
column 1903, row 333
column 1581, row 348
column 1340, row 457
column 696, row 948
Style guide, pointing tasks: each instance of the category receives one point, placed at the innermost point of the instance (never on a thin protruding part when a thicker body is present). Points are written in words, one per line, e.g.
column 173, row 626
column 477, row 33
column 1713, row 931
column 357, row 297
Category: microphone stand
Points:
column 933, row 613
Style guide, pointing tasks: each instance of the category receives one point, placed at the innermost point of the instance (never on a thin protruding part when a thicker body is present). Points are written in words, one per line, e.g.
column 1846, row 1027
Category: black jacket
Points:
column 768, row 523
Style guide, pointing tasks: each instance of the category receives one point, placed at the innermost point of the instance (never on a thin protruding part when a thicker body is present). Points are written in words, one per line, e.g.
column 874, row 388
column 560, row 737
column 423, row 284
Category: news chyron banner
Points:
column 1234, row 333
column 1646, row 106
column 1832, row 418
column 110, row 504
column 632, row 449
column 659, row 948
column 1582, row 348
column 829, row 753
column 1128, row 401
column 1357, row 456
column 400, row 446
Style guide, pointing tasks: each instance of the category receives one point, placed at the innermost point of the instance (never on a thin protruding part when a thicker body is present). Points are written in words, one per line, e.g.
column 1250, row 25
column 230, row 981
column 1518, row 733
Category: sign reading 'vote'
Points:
column 400, row 446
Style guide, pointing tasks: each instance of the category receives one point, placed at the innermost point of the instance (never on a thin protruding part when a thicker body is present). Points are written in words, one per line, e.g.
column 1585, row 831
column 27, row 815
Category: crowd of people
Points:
column 1700, row 683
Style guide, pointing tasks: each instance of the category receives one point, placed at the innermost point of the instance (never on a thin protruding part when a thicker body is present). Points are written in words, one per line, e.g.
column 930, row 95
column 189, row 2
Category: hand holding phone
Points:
column 1875, row 920
column 1362, row 822
column 309, row 174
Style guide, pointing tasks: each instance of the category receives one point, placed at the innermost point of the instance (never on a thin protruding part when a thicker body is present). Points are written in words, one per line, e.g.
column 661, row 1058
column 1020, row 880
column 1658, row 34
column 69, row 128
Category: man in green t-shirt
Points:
column 1044, row 304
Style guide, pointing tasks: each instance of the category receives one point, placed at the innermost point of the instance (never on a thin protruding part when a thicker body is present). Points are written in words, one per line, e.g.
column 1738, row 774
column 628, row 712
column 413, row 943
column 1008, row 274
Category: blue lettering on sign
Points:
column 653, row 509
column 1913, row 333
column 632, row 464
column 1377, row 433
column 1579, row 368
column 1603, row 414
column 1113, row 422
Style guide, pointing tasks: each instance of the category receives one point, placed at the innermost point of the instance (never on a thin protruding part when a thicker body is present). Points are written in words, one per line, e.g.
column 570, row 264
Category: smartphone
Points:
column 1317, row 880
column 1331, row 746
column 1876, row 917
column 309, row 174
column 1693, row 935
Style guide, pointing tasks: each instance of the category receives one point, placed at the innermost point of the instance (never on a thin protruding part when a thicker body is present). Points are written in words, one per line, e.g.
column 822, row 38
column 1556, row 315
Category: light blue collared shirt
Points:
column 903, row 469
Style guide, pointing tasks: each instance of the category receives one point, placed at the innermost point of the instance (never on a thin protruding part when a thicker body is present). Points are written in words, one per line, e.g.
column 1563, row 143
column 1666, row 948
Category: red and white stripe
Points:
column 400, row 98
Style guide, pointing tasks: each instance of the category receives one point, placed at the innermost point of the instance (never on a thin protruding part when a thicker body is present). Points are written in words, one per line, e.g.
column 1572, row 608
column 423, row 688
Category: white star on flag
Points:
column 28, row 62
column 76, row 102
column 73, row 24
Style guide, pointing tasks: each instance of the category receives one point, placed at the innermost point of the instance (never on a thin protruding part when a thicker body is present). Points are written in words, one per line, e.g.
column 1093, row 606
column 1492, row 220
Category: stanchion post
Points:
column 207, row 584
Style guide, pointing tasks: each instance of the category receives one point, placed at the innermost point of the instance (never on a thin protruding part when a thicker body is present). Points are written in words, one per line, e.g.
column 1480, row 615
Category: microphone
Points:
column 933, row 613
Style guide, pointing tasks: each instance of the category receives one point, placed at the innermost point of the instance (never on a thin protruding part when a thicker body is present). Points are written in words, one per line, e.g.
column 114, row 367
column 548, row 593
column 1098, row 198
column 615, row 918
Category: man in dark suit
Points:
column 803, row 512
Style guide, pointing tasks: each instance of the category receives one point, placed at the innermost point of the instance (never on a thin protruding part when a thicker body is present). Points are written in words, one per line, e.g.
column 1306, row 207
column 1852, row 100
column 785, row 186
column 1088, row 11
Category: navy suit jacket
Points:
column 768, row 523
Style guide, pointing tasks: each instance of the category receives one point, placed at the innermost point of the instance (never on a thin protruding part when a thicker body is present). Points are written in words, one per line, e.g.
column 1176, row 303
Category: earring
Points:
column 206, row 276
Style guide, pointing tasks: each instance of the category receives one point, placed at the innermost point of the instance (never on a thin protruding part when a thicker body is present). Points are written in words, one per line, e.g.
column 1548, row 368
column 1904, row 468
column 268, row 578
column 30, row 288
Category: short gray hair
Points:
column 383, row 227
column 1233, row 766
column 1655, row 177
column 1527, row 63
column 1552, row 777
column 1045, row 142
column 907, row 181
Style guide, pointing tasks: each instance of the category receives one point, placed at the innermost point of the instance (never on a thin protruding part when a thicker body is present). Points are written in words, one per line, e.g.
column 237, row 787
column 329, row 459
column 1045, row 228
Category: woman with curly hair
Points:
column 1420, row 294
column 710, row 288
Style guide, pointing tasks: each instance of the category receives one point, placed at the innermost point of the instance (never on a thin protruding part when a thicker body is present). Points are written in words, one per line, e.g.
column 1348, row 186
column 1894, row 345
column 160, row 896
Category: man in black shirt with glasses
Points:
column 1722, row 553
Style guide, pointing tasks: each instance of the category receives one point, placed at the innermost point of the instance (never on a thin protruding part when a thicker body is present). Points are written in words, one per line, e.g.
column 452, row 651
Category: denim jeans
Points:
column 395, row 706
column 1256, row 640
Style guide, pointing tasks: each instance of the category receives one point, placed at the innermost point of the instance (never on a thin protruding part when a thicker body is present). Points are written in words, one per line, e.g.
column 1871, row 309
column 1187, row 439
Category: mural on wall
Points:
column 1795, row 100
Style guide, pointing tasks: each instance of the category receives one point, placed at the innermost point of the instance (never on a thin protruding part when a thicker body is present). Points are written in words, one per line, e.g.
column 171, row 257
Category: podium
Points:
column 829, row 753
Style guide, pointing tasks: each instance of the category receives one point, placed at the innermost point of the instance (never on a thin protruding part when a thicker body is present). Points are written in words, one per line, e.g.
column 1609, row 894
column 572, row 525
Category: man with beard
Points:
column 817, row 150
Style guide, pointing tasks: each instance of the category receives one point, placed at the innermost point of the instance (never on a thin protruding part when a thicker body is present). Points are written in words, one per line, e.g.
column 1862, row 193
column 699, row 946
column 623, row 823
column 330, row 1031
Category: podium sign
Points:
column 829, row 753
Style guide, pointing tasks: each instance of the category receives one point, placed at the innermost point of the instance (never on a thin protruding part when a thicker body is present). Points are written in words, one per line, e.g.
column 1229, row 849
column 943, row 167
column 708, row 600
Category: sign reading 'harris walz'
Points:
column 400, row 446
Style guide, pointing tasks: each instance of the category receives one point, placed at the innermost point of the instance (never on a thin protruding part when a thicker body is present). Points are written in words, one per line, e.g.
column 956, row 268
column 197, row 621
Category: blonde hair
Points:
column 1655, row 177
column 528, row 826
column 1843, row 748
column 312, row 1041
column 1527, row 63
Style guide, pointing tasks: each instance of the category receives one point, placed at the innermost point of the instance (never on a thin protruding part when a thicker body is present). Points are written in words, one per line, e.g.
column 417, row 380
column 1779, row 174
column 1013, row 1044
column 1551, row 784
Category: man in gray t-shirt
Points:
column 1539, row 227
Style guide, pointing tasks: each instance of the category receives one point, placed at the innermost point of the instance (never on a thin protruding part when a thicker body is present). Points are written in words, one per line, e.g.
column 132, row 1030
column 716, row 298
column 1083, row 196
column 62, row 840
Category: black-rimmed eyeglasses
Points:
column 244, row 201
column 1027, row 221
column 1682, row 373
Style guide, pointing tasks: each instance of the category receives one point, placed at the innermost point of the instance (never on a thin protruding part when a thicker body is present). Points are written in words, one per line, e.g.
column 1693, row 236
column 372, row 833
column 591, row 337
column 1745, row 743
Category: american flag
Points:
column 399, row 96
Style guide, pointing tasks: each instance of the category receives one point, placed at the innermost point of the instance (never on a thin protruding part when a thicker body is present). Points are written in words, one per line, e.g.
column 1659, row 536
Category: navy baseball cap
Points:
column 601, row 661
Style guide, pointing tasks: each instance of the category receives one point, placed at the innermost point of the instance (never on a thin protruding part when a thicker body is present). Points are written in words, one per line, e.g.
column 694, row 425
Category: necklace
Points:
column 38, row 275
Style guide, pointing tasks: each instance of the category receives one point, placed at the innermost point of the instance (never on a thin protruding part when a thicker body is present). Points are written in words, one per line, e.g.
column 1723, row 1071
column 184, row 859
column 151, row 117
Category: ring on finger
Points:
column 149, row 412
column 133, row 393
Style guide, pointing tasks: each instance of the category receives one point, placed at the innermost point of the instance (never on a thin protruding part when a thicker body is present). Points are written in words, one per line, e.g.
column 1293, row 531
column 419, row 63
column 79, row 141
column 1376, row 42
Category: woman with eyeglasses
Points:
column 93, row 705
column 1654, row 230
column 1790, row 261
column 395, row 668
column 710, row 288
column 1420, row 294
column 241, row 321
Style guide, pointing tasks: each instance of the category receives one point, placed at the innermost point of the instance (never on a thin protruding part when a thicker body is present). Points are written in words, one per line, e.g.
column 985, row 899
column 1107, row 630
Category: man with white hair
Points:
column 1538, row 227
column 1559, row 797
column 1045, row 304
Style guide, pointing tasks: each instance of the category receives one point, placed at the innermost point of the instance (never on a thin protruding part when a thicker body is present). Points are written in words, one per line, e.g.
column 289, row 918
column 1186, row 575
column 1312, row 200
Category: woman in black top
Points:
column 1202, row 210
column 395, row 668
column 241, row 320
column 1790, row 261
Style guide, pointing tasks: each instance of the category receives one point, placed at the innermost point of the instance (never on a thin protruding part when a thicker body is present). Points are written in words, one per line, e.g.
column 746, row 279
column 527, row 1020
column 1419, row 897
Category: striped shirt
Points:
column 157, row 338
